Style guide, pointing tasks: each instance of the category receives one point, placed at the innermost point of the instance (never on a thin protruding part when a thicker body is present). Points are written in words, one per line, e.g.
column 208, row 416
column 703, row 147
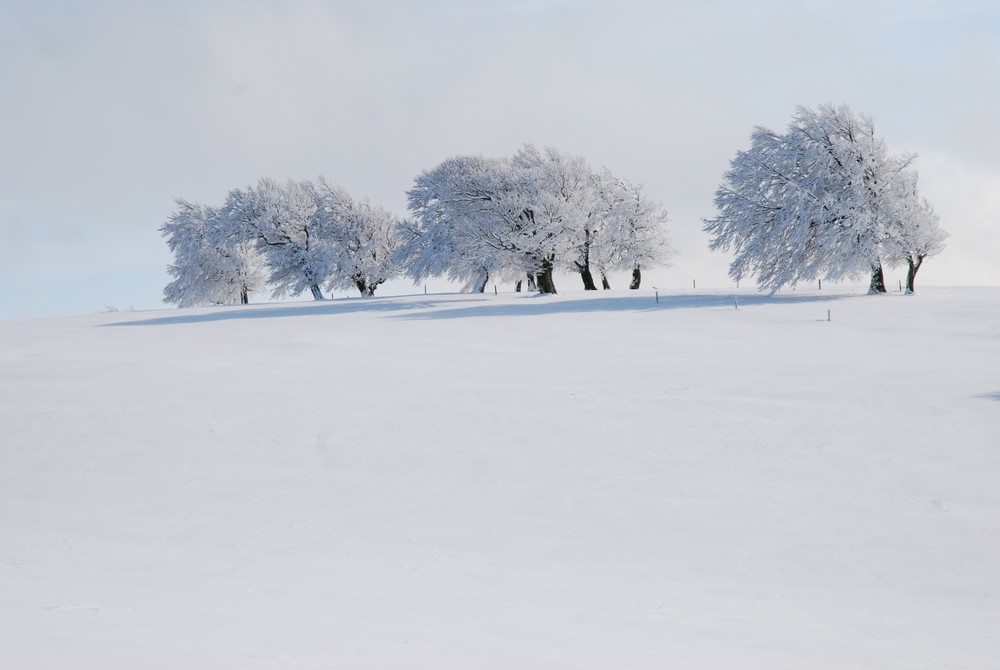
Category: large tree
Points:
column 282, row 219
column 564, row 208
column 820, row 200
column 472, row 221
column 476, row 218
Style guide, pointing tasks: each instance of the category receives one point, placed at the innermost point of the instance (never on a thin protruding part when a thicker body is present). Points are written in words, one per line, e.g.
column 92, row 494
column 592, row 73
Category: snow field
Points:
column 452, row 481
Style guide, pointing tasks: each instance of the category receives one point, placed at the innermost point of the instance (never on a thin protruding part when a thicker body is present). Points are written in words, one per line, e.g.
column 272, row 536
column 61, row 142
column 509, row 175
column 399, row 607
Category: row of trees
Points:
column 293, row 237
column 473, row 219
column 823, row 200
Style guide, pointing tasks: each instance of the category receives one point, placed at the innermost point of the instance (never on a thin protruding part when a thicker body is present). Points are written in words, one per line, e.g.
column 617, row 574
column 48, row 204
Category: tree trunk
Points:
column 244, row 295
column 532, row 284
column 584, row 268
column 636, row 278
column 317, row 294
column 878, row 280
column 545, row 282
column 605, row 284
column 481, row 281
column 911, row 272
column 517, row 286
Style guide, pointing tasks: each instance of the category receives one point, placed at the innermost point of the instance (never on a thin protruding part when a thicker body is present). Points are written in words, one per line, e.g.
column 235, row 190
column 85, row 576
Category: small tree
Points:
column 919, row 236
column 365, row 240
column 633, row 234
column 208, row 268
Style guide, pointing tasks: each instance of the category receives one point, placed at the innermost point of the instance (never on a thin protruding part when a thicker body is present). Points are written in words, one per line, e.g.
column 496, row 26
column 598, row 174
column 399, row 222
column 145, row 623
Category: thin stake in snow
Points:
column 827, row 315
column 736, row 301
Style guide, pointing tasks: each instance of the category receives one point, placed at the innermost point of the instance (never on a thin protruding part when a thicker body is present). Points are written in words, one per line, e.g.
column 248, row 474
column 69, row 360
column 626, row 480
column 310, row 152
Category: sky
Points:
column 113, row 109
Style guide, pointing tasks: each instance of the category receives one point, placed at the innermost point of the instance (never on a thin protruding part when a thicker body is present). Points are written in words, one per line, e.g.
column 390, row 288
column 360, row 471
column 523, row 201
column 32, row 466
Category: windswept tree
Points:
column 632, row 234
column 820, row 201
column 282, row 218
column 472, row 222
column 564, row 210
column 208, row 268
column 920, row 235
column 365, row 240
column 476, row 218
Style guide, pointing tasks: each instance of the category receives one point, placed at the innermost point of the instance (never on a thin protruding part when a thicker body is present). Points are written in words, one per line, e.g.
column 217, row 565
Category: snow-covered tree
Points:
column 632, row 234
column 471, row 222
column 365, row 240
column 282, row 219
column 920, row 235
column 818, row 201
column 476, row 218
column 564, row 209
column 208, row 267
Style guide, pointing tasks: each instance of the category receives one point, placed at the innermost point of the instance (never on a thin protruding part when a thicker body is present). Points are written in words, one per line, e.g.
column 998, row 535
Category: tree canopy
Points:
column 823, row 200
column 530, row 214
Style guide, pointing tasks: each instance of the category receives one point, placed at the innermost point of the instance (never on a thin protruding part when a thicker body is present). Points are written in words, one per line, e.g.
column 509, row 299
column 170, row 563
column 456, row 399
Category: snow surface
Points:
column 454, row 481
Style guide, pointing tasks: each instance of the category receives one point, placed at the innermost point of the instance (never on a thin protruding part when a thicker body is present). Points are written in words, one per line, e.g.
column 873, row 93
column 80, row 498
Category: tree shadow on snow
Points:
column 455, row 306
column 539, row 304
column 990, row 396
column 304, row 309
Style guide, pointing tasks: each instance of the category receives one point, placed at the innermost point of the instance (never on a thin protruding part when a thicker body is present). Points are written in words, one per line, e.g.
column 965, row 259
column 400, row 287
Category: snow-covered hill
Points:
column 580, row 481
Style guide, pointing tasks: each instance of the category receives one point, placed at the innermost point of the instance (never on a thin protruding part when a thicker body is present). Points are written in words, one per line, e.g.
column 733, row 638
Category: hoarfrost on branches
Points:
column 824, row 200
column 303, row 235
column 365, row 240
column 477, row 218
column 209, row 268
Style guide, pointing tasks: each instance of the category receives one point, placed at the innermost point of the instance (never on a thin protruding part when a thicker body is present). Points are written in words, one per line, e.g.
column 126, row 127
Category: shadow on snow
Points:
column 452, row 306
column 269, row 311
column 555, row 305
